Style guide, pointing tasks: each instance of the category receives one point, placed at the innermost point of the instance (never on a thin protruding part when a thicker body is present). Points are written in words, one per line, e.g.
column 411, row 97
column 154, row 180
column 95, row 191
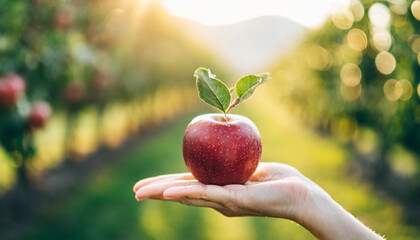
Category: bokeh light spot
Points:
column 415, row 9
column 414, row 42
column 418, row 89
column 350, row 93
column 343, row 19
column 382, row 40
column 350, row 74
column 393, row 89
column 398, row 6
column 318, row 58
column 407, row 89
column 379, row 15
column 418, row 58
column 357, row 39
column 385, row 62
column 357, row 10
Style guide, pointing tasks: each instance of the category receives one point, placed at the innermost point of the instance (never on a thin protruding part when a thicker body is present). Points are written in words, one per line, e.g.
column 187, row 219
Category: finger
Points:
column 180, row 176
column 143, row 182
column 201, row 203
column 154, row 191
column 211, row 193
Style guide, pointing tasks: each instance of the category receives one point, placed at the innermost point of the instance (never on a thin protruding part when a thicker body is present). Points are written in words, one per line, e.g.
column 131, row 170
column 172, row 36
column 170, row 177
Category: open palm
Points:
column 275, row 190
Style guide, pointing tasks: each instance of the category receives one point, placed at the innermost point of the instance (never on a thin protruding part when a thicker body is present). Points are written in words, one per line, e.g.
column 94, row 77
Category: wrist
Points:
column 326, row 219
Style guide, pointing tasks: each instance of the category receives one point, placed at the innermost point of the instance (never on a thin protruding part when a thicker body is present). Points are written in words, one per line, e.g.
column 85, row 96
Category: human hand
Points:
column 274, row 190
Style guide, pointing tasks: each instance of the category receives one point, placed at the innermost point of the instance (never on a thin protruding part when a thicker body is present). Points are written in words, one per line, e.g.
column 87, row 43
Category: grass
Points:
column 104, row 207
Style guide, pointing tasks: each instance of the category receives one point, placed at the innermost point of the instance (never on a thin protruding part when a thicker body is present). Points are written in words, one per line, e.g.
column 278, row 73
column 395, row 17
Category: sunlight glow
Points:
column 221, row 12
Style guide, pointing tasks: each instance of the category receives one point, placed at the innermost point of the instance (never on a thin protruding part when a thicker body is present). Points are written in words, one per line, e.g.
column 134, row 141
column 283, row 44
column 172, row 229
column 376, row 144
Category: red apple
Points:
column 219, row 152
column 11, row 89
column 64, row 17
column 40, row 113
column 16, row 82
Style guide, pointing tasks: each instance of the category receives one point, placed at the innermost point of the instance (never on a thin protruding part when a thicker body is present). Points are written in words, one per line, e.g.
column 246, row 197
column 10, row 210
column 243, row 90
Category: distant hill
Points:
column 249, row 46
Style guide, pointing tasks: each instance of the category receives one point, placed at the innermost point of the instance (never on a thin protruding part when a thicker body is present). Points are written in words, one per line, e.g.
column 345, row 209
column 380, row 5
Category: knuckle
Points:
column 186, row 201
column 202, row 193
column 232, row 206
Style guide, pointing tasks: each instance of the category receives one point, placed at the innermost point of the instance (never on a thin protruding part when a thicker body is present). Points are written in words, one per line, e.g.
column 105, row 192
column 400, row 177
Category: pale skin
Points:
column 274, row 190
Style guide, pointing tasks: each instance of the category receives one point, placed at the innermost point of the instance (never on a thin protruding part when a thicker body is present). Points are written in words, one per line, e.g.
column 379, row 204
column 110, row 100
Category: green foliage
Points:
column 106, row 203
column 211, row 90
column 79, row 55
column 215, row 93
column 342, row 83
column 246, row 86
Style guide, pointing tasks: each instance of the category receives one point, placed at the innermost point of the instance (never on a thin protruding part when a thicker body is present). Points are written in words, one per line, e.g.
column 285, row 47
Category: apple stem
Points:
column 226, row 117
column 232, row 105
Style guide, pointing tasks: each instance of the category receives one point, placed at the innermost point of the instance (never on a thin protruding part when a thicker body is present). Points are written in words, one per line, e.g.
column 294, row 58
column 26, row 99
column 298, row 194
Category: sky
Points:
column 309, row 13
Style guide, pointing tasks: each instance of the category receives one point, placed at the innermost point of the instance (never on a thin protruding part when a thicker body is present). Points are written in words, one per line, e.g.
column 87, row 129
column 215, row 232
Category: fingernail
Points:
column 140, row 199
column 139, row 196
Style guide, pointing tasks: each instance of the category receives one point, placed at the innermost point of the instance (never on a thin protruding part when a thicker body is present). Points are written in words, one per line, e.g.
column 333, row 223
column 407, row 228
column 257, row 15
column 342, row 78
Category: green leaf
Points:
column 211, row 90
column 246, row 86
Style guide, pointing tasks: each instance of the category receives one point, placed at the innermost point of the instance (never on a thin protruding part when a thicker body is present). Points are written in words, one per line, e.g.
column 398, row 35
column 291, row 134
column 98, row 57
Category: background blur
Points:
column 342, row 106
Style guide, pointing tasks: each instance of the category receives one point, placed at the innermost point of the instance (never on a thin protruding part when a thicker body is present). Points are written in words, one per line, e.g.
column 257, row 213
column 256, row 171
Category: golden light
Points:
column 382, row 40
column 418, row 58
column 414, row 42
column 385, row 62
column 407, row 89
column 348, row 55
column 393, row 89
column 357, row 10
column 343, row 19
column 357, row 39
column 350, row 75
column 350, row 93
column 418, row 89
column 318, row 58
column 309, row 13
column 398, row 6
column 415, row 9
column 379, row 15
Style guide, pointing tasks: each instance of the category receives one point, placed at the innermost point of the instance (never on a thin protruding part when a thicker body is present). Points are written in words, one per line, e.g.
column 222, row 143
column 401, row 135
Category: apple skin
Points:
column 40, row 114
column 11, row 89
column 222, row 153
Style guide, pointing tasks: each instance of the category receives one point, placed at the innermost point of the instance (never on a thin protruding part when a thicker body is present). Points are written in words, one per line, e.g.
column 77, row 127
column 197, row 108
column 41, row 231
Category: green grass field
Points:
column 104, row 207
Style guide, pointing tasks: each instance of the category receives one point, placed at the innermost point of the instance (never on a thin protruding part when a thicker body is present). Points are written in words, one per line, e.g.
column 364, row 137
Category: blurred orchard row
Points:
column 358, row 78
column 89, row 74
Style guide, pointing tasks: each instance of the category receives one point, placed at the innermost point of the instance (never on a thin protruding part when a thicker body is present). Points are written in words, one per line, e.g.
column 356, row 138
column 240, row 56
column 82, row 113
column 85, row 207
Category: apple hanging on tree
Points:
column 223, row 148
column 40, row 114
column 12, row 88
